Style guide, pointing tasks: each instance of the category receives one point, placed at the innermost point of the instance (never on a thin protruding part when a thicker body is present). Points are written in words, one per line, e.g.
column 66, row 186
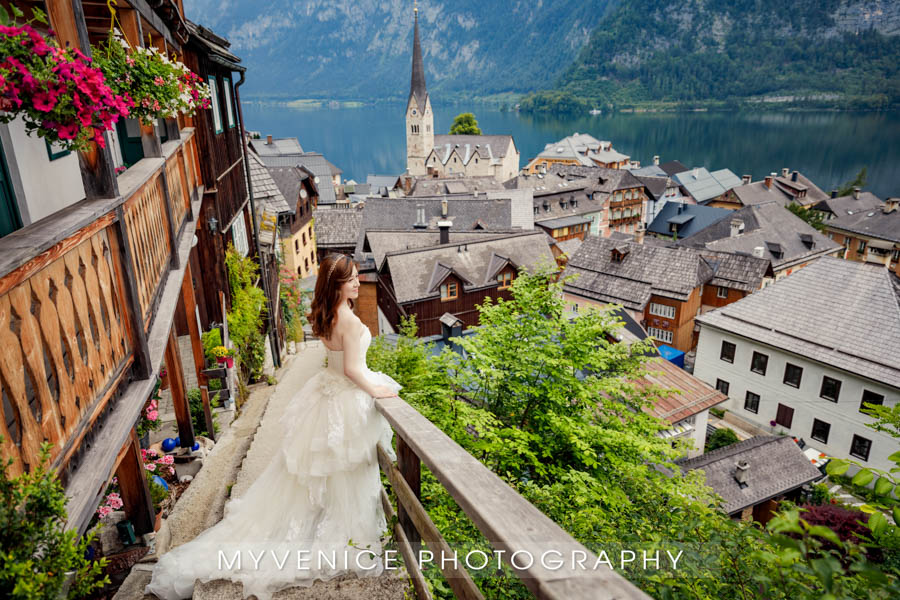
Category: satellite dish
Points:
column 303, row 193
column 316, row 179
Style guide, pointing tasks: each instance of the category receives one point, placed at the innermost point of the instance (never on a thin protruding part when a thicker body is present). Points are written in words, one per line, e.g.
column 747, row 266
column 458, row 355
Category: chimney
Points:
column 420, row 216
column 759, row 252
column 656, row 160
column 696, row 173
column 769, row 178
column 407, row 183
column 444, row 226
column 741, row 471
column 737, row 227
column 856, row 193
column 443, row 207
column 834, row 193
column 784, row 172
column 890, row 205
column 639, row 231
column 745, row 179
column 542, row 168
column 268, row 140
column 680, row 208
column 794, row 176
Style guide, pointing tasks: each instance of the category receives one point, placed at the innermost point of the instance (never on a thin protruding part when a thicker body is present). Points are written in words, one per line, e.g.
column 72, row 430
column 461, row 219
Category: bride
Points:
column 315, row 511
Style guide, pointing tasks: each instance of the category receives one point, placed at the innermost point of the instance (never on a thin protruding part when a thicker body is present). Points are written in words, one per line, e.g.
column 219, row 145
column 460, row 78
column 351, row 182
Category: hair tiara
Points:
column 333, row 265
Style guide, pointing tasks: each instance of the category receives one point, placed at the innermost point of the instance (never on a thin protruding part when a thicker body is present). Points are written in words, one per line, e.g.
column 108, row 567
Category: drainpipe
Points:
column 273, row 332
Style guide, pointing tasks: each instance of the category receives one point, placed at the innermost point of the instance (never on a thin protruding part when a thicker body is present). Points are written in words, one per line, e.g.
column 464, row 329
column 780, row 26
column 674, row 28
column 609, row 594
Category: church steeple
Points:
column 417, row 81
column 419, row 117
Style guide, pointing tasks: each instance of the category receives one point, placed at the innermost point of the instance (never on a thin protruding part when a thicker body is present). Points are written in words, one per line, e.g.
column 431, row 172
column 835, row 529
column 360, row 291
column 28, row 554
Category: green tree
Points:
column 465, row 124
column 857, row 182
column 813, row 217
column 36, row 551
column 721, row 438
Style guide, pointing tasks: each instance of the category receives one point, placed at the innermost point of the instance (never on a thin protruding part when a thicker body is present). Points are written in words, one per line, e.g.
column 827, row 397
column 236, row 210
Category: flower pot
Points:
column 145, row 440
column 165, row 382
column 158, row 522
column 228, row 361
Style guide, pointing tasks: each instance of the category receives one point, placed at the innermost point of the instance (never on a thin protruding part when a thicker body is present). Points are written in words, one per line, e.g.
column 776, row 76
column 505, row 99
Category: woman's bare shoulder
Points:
column 347, row 322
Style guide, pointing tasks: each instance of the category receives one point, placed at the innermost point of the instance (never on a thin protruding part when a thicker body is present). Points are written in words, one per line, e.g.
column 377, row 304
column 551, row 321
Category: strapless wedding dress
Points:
column 321, row 491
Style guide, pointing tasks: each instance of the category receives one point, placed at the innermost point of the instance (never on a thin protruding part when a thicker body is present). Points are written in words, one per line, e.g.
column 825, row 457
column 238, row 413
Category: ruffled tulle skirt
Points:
column 314, row 512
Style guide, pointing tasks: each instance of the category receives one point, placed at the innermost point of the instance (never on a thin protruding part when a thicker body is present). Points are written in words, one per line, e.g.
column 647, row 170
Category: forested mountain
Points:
column 363, row 48
column 654, row 50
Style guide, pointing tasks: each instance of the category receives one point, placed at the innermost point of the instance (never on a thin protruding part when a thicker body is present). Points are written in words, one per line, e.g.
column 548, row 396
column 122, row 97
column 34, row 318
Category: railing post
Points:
column 150, row 141
column 135, row 489
column 175, row 373
column 411, row 469
column 136, row 317
column 188, row 302
column 170, row 217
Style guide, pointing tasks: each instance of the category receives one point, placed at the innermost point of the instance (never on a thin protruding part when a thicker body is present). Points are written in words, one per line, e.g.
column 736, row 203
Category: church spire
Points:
column 417, row 82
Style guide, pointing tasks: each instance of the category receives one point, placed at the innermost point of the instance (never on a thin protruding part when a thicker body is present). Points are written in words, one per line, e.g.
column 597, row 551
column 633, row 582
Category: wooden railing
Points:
column 64, row 342
column 509, row 522
column 76, row 290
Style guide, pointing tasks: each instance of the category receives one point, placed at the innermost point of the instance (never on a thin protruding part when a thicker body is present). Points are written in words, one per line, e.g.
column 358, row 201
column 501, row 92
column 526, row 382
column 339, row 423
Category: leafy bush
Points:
column 465, row 124
column 158, row 493
column 35, row 549
column 722, row 437
column 248, row 310
column 211, row 339
column 198, row 417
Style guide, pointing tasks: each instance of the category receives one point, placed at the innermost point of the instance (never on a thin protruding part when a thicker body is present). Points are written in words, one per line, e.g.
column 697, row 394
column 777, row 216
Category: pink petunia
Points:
column 44, row 101
column 150, row 466
column 104, row 511
column 152, row 415
column 171, row 470
column 68, row 131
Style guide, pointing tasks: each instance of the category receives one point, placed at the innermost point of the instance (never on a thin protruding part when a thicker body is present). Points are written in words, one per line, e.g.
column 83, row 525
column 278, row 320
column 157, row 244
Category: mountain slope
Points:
column 719, row 49
column 362, row 48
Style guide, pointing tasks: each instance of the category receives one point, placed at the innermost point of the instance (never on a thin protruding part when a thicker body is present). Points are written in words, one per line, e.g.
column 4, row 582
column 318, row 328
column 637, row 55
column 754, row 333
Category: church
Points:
column 446, row 155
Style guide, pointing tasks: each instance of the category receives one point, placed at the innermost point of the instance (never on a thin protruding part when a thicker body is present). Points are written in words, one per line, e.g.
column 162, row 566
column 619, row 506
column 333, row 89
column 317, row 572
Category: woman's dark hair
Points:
column 334, row 271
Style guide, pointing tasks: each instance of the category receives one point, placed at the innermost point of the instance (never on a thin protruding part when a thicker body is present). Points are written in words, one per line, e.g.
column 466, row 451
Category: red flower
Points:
column 44, row 101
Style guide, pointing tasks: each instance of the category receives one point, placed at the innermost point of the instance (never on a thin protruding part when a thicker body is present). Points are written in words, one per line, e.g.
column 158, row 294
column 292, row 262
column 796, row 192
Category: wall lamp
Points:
column 213, row 224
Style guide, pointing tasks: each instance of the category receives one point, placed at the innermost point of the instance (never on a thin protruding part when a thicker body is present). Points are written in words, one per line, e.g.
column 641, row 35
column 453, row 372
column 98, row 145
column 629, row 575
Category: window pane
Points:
column 831, row 389
column 722, row 386
column 727, row 353
column 860, row 447
column 820, row 430
column 792, row 375
column 759, row 363
column 751, row 402
column 871, row 398
column 784, row 416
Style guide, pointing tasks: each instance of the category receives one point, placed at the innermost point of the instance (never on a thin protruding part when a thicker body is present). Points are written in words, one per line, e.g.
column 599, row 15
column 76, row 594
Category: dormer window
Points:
column 505, row 279
column 775, row 249
column 619, row 253
column 449, row 291
column 574, row 203
column 562, row 203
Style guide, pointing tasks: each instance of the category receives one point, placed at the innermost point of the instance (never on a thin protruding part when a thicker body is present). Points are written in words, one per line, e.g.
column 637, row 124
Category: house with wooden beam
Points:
column 99, row 257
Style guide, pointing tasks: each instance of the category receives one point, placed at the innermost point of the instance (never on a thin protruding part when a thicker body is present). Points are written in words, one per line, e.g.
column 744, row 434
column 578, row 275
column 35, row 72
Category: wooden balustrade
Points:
column 509, row 522
column 179, row 198
column 147, row 223
column 65, row 340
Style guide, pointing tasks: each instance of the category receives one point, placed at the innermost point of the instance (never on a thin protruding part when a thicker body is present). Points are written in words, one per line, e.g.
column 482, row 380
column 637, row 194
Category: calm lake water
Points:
column 828, row 147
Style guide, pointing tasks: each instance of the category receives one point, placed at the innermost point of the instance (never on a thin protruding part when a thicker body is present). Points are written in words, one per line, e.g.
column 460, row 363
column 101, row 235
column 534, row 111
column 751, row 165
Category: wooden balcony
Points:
column 508, row 521
column 87, row 297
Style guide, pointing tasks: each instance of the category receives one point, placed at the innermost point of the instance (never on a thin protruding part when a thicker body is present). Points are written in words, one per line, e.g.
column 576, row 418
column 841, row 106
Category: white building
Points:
column 806, row 352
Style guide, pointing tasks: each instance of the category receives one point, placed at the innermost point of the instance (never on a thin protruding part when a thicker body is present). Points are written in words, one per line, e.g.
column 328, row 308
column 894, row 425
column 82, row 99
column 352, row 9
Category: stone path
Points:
column 241, row 453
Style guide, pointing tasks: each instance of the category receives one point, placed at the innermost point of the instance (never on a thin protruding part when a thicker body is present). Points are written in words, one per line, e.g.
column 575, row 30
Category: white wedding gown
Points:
column 320, row 491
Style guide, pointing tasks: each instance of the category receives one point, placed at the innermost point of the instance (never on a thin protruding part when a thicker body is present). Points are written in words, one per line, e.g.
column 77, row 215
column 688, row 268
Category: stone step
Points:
column 393, row 585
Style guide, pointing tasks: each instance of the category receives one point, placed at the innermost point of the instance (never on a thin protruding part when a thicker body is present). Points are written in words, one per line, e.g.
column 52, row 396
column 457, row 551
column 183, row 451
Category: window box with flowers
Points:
column 57, row 92
column 161, row 88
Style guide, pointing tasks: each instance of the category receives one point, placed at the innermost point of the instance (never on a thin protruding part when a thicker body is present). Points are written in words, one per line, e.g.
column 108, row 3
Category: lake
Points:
column 828, row 147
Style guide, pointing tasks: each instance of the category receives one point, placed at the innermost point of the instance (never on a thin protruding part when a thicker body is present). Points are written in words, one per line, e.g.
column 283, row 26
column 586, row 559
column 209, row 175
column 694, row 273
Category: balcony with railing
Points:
column 87, row 296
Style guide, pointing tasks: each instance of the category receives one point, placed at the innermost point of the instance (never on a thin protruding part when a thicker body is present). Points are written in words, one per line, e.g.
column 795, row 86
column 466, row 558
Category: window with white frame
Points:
column 214, row 104
column 722, row 292
column 239, row 234
column 660, row 334
column 226, row 84
column 661, row 310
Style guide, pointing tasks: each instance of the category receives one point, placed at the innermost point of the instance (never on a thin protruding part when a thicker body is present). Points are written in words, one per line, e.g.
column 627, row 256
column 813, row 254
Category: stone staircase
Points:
column 240, row 455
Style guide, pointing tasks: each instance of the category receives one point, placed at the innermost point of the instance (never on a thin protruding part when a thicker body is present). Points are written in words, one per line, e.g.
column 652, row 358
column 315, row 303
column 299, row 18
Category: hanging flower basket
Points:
column 161, row 87
column 57, row 92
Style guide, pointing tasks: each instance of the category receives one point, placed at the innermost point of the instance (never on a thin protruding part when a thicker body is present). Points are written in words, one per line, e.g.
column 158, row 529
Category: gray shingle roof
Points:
column 316, row 164
column 737, row 271
column 486, row 147
column 703, row 185
column 265, row 190
column 872, row 223
column 564, row 221
column 644, row 270
column 337, row 227
column 381, row 242
column 655, row 186
column 584, row 148
column 673, row 167
column 845, row 205
column 702, row 217
column 289, row 180
column 416, row 274
column 278, row 147
column 839, row 324
column 429, row 186
column 764, row 224
column 813, row 192
column 758, row 193
column 777, row 466
column 465, row 213
column 601, row 178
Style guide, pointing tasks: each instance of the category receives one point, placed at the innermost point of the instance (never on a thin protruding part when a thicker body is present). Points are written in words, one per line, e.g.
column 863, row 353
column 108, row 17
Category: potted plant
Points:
column 224, row 356
column 164, row 377
column 149, row 419
column 56, row 91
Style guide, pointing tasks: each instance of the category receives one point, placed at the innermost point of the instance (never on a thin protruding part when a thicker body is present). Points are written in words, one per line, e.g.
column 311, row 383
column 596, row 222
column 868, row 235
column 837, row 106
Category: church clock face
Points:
column 414, row 112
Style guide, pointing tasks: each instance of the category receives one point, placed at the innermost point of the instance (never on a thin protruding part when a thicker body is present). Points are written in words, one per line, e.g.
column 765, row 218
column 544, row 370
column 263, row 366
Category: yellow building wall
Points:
column 301, row 258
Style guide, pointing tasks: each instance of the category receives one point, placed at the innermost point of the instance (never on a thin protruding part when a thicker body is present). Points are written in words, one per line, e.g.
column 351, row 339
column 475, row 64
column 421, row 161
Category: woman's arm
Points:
column 351, row 341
